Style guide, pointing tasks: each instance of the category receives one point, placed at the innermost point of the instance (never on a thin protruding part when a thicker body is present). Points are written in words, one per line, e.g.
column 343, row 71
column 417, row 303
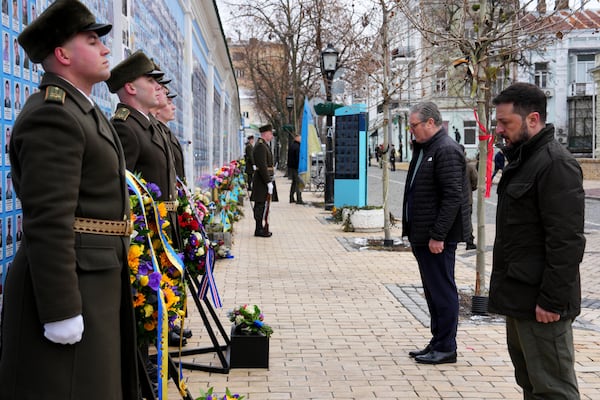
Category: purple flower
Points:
column 145, row 267
column 154, row 189
column 154, row 281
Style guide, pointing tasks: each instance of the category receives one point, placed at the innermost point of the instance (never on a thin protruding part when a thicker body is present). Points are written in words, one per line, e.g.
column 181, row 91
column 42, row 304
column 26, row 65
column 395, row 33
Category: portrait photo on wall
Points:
column 8, row 193
column 16, row 57
column 18, row 102
column 7, row 132
column 9, row 239
column 19, row 234
column 15, row 15
column 5, row 18
column 5, row 52
column 7, row 100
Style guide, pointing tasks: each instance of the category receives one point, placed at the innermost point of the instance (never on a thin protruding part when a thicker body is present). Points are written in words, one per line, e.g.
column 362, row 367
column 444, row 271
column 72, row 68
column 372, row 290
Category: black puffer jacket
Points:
column 539, row 231
column 436, row 206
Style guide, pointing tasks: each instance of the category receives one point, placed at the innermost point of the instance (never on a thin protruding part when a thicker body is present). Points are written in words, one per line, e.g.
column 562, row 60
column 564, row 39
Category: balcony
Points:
column 581, row 89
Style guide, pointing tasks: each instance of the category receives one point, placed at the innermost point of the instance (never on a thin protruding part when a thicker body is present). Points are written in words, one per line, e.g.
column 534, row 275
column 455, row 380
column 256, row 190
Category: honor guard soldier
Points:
column 147, row 150
column 165, row 113
column 263, row 185
column 68, row 328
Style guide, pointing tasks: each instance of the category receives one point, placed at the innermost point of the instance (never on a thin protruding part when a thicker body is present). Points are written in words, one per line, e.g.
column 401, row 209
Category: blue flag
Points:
column 309, row 142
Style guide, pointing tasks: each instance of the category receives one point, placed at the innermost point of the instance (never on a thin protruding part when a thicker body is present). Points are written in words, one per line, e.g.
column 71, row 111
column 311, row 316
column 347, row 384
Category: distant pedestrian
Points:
column 436, row 216
column 472, row 177
column 393, row 158
column 293, row 164
column 538, row 247
column 499, row 161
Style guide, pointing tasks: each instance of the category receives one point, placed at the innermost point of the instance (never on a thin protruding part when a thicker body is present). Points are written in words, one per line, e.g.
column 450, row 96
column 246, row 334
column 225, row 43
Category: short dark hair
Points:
column 525, row 98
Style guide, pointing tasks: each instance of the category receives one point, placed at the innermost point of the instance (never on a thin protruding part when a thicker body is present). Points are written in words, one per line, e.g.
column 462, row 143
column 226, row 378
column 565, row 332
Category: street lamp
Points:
column 289, row 103
column 329, row 60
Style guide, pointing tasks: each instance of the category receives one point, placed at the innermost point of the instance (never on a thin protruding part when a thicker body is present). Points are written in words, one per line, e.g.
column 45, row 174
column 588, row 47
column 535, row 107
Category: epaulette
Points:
column 122, row 114
column 54, row 94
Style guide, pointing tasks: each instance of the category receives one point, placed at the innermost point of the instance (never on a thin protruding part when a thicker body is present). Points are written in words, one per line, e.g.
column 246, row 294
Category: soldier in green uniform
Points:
column 263, row 185
column 68, row 329
column 147, row 150
column 248, row 156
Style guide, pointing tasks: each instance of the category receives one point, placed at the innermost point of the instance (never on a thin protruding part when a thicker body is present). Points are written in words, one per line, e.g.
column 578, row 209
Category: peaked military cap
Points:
column 131, row 68
column 163, row 81
column 57, row 24
column 265, row 128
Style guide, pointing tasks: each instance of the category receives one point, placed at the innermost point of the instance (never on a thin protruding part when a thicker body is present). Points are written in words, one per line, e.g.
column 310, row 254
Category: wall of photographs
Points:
column 157, row 28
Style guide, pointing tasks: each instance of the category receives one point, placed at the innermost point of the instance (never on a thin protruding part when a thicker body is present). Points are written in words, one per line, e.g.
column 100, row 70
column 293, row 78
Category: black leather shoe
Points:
column 471, row 246
column 263, row 234
column 415, row 353
column 437, row 357
column 175, row 339
column 300, row 202
column 187, row 333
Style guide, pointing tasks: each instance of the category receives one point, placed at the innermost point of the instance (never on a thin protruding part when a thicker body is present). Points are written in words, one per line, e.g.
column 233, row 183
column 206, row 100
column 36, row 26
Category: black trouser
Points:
column 295, row 188
column 249, row 181
column 437, row 275
column 259, row 214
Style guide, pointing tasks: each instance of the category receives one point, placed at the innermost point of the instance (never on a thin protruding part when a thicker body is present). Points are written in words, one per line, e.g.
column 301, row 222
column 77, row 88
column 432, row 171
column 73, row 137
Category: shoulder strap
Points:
column 54, row 94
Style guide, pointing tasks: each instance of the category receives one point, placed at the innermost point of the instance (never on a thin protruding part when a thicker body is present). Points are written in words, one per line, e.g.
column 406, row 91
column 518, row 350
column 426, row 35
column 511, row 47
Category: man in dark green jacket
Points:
column 538, row 247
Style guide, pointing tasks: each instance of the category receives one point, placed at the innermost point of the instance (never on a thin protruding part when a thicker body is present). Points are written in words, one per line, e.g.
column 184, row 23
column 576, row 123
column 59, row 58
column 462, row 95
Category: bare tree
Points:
column 486, row 39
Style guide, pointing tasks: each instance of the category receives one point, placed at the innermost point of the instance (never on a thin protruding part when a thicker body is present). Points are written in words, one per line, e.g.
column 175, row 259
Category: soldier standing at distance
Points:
column 263, row 183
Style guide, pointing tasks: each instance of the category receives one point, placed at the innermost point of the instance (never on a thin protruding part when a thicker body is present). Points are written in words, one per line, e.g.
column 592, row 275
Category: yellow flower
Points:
column 133, row 258
column 148, row 310
column 139, row 300
column 162, row 210
column 144, row 280
column 170, row 298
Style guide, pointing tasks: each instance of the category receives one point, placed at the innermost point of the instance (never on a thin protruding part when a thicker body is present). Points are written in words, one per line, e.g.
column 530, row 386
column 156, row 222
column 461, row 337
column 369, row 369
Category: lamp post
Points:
column 329, row 59
column 289, row 103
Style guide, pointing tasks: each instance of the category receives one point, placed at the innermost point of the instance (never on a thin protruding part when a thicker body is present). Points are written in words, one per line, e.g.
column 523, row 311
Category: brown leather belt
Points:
column 171, row 205
column 102, row 226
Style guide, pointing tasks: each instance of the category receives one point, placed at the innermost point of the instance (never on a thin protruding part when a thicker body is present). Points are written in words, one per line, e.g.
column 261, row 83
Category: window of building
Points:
column 470, row 132
column 239, row 73
column 441, row 81
column 541, row 75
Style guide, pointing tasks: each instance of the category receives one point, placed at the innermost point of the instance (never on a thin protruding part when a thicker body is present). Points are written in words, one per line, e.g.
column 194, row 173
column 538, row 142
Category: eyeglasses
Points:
column 413, row 126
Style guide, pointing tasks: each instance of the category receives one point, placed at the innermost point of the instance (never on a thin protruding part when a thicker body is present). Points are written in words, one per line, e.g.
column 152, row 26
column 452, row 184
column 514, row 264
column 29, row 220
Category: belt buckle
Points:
column 128, row 227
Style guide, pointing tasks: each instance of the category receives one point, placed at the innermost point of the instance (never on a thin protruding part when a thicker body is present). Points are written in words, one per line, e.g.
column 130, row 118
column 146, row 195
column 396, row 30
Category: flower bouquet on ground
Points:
column 249, row 320
column 210, row 395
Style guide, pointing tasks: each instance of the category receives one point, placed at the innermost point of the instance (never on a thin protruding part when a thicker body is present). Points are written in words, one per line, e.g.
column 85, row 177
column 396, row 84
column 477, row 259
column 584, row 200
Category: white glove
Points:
column 67, row 331
column 270, row 187
column 254, row 167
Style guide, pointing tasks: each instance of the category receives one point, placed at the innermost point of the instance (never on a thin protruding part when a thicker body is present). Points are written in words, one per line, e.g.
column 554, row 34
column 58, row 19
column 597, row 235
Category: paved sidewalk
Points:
column 345, row 320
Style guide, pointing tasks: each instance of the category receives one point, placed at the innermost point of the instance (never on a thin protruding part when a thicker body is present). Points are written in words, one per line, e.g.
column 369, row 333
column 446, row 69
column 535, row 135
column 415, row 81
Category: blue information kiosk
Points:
column 350, row 185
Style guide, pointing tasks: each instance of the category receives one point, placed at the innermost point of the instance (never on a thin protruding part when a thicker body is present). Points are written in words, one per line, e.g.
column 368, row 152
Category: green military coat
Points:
column 67, row 162
column 176, row 150
column 146, row 149
column 263, row 159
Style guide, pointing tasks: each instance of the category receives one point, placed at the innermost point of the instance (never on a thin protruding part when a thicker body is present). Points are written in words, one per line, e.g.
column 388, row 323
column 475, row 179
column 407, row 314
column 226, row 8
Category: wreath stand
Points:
column 206, row 309
column 147, row 388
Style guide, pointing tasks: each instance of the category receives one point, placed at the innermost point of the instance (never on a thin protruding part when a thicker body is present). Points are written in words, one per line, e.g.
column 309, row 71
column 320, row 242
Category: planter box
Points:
column 367, row 220
column 248, row 351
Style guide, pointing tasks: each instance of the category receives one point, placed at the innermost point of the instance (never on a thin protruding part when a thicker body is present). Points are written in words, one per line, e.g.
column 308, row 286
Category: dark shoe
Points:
column 187, row 333
column 300, row 202
column 415, row 353
column 471, row 246
column 292, row 201
column 437, row 357
column 263, row 234
column 175, row 340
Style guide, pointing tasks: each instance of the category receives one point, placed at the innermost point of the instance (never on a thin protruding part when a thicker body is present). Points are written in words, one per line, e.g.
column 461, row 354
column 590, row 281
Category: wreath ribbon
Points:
column 162, row 329
column 490, row 154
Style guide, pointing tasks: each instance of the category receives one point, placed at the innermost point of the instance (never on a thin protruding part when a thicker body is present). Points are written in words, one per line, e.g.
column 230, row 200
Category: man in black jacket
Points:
column 538, row 247
column 293, row 164
column 436, row 216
